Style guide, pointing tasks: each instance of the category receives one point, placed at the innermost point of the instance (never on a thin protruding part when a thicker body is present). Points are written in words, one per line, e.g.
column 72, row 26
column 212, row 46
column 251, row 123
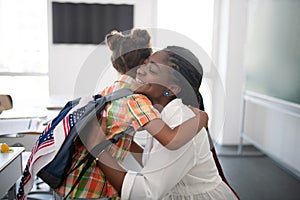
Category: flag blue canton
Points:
column 45, row 137
column 75, row 116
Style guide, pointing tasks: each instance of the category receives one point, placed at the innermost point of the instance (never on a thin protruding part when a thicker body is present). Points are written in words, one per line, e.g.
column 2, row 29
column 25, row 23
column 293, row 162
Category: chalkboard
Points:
column 88, row 23
column 272, row 49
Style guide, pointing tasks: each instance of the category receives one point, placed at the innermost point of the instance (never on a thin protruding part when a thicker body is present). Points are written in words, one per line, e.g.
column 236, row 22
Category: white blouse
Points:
column 186, row 173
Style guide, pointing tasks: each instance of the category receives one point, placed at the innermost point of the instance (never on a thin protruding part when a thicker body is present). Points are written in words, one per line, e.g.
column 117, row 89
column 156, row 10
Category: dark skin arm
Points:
column 175, row 138
column 112, row 170
column 137, row 152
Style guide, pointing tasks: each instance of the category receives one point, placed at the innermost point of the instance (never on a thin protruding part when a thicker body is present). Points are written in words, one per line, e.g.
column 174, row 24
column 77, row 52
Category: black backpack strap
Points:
column 90, row 159
column 102, row 145
column 116, row 137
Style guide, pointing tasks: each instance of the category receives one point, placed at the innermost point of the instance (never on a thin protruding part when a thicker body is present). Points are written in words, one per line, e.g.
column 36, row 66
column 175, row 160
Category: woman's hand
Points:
column 96, row 132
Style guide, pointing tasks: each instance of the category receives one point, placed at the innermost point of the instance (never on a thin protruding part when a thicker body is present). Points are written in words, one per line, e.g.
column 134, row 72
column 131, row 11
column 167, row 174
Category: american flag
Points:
column 47, row 146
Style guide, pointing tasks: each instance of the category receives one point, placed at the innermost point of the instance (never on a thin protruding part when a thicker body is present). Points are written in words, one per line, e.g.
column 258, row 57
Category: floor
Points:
column 255, row 176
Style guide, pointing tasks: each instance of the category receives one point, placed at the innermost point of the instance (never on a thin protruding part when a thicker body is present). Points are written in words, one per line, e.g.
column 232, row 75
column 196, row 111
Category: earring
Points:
column 166, row 93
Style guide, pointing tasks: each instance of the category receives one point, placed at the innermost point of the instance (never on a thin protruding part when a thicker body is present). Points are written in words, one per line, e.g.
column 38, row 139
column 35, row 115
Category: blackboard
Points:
column 272, row 49
column 88, row 23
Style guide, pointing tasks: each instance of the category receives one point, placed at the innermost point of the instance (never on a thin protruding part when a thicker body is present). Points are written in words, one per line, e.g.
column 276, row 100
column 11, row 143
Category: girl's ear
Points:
column 174, row 89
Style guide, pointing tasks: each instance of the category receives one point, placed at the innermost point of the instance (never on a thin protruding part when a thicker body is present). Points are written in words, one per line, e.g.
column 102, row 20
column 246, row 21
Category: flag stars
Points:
column 75, row 116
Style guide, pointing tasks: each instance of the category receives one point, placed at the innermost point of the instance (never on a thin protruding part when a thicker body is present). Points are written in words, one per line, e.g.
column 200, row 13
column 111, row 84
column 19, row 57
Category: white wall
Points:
column 71, row 66
column 273, row 126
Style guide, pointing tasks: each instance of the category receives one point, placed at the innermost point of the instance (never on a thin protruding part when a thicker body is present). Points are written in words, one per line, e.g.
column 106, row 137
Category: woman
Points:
column 187, row 173
column 128, row 52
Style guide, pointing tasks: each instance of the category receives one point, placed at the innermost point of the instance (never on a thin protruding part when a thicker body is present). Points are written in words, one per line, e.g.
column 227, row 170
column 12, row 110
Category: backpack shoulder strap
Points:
column 124, row 92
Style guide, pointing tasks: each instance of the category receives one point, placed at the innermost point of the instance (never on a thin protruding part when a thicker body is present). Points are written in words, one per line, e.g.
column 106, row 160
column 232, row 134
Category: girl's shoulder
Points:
column 139, row 97
column 140, row 103
column 139, row 100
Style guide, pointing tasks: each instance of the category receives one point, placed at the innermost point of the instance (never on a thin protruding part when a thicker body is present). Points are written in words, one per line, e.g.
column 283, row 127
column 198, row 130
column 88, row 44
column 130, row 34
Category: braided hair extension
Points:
column 188, row 66
column 130, row 50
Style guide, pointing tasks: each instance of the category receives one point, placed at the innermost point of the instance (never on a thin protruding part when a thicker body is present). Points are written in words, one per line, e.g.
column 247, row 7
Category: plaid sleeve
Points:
column 141, row 110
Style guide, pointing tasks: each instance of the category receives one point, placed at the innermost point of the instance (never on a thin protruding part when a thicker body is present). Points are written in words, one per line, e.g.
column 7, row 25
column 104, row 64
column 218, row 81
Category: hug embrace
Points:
column 178, row 160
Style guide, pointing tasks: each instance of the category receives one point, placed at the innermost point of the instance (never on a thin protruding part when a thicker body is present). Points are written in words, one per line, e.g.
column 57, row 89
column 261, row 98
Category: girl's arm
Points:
column 145, row 116
column 137, row 152
column 175, row 138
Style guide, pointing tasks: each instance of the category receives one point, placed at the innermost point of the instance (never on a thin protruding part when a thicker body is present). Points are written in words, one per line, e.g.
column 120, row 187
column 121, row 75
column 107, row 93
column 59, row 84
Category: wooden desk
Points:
column 10, row 171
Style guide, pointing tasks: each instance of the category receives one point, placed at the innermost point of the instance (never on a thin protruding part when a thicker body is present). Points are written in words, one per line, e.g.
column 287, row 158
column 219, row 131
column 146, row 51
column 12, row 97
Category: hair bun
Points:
column 141, row 37
column 113, row 39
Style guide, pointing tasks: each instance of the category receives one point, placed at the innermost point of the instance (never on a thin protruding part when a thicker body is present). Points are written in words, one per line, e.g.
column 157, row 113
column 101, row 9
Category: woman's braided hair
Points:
column 129, row 50
column 189, row 67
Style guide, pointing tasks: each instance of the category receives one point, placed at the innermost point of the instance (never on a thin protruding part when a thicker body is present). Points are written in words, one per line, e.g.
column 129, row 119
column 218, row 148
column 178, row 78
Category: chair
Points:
column 6, row 102
column 40, row 195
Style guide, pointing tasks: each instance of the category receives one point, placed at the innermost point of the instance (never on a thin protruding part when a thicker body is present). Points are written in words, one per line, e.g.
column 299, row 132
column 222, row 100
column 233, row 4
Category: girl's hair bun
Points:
column 113, row 39
column 141, row 37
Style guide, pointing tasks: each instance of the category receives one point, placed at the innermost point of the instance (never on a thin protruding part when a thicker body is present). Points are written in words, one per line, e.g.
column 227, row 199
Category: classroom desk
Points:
column 11, row 163
column 10, row 171
column 26, row 138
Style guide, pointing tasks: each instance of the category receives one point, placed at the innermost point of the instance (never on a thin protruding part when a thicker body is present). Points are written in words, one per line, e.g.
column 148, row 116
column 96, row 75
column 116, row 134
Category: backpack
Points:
column 52, row 164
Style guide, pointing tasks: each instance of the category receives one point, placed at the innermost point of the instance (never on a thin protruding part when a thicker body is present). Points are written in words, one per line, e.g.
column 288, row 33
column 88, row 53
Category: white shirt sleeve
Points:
column 163, row 171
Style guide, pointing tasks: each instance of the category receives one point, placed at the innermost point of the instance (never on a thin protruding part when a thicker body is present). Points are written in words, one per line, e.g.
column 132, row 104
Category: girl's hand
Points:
column 203, row 116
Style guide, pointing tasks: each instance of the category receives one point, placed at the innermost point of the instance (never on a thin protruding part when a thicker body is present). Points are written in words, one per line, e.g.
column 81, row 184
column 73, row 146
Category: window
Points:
column 24, row 50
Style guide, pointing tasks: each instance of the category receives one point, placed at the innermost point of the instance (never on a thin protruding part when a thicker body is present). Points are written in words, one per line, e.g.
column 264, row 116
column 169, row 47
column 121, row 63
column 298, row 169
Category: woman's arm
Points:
column 110, row 167
column 175, row 138
column 112, row 170
column 150, row 183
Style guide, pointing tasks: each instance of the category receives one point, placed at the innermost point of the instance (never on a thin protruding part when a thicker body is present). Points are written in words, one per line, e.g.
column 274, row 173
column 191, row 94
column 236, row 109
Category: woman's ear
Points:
column 174, row 89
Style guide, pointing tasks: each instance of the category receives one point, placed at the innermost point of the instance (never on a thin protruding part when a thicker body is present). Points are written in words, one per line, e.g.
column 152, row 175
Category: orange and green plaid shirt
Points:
column 136, row 111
